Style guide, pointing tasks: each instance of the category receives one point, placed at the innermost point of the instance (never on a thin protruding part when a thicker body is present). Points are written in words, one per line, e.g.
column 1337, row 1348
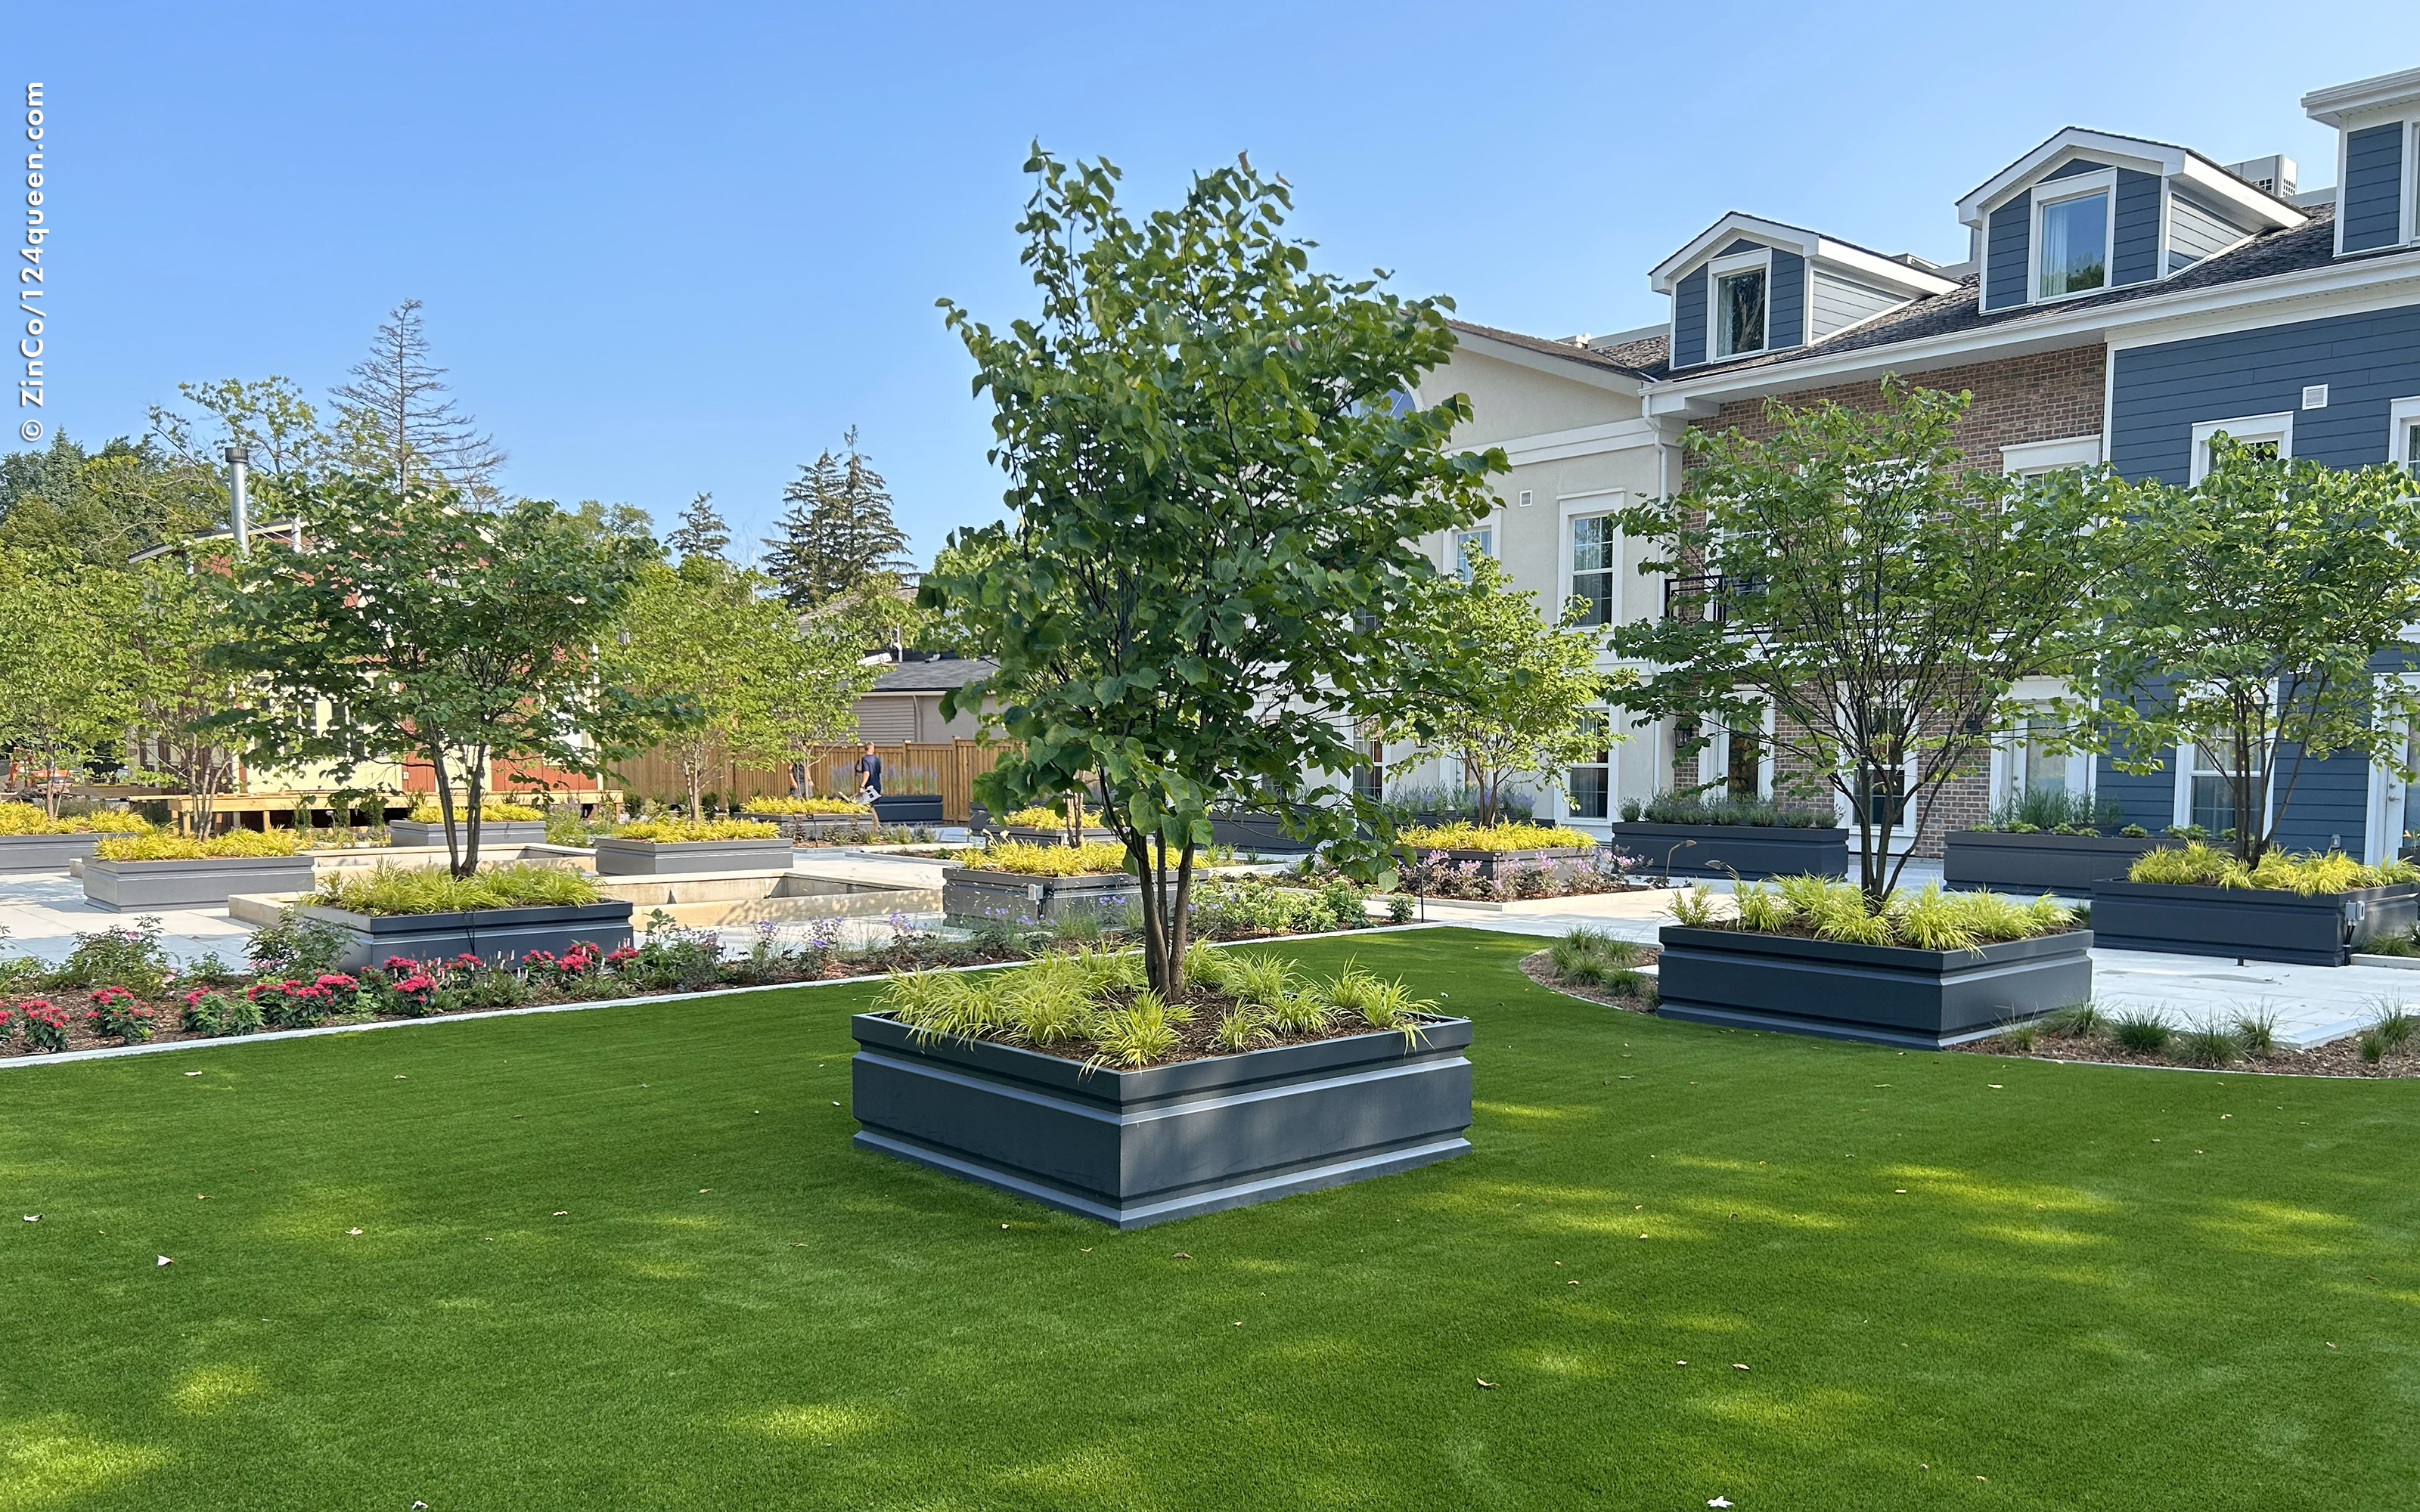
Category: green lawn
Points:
column 2098, row 1288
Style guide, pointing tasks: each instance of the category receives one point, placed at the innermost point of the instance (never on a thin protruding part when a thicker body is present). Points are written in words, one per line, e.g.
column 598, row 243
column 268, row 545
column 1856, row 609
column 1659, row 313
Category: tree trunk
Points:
column 445, row 811
column 478, row 801
column 798, row 781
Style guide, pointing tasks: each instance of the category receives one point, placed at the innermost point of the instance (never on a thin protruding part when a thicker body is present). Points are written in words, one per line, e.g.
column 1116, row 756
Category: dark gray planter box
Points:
column 2249, row 923
column 1493, row 864
column 189, row 883
column 970, row 895
column 909, row 809
column 44, row 853
column 816, row 827
column 1262, row 832
column 1132, row 1148
column 493, row 832
column 1035, row 835
column 2040, row 863
column 618, row 858
column 1884, row 993
column 1752, row 850
column 489, row 933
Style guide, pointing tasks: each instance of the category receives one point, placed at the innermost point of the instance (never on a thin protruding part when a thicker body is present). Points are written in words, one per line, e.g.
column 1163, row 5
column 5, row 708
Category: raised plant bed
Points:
column 620, row 857
column 909, row 809
column 814, row 827
column 2039, row 863
column 971, row 895
column 1133, row 1148
column 1750, row 851
column 1493, row 864
column 1882, row 994
column 196, row 882
column 489, row 933
column 2249, row 923
column 492, row 832
column 44, row 853
column 1036, row 835
column 1264, row 833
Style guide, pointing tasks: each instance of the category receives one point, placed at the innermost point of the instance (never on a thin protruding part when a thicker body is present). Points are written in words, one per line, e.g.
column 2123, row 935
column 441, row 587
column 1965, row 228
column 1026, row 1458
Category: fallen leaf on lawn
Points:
column 1571, row 1283
column 1087, row 1249
column 192, row 1073
column 1739, row 1367
column 1900, row 1190
column 1486, row 1385
column 33, row 1217
column 1994, row 1086
column 1680, row 1362
column 399, row 1077
column 201, row 1197
column 352, row 1230
column 164, row 1261
column 563, row 1213
column 1180, row 1255
column 1720, row 1501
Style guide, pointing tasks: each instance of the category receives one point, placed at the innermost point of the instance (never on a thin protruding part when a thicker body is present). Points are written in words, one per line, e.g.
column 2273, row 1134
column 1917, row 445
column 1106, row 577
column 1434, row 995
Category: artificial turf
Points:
column 628, row 1258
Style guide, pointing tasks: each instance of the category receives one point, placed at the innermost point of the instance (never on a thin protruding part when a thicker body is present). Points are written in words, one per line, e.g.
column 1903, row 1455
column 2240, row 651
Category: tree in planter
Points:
column 1852, row 576
column 809, row 682
column 1528, row 715
column 416, row 623
column 2268, row 599
column 1216, row 485
column 67, row 676
column 182, row 689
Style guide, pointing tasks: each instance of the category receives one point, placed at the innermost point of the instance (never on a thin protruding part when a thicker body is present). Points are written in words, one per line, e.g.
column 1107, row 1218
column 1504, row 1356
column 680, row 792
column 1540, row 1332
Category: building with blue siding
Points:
column 2124, row 298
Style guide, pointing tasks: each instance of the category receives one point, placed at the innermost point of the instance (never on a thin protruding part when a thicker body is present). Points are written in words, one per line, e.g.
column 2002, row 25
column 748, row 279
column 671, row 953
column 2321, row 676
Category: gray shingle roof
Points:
column 934, row 676
column 1629, row 359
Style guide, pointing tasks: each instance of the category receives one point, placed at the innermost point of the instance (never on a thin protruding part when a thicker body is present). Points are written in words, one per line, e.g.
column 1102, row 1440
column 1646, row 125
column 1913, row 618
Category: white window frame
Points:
column 1901, row 834
column 1491, row 545
column 2382, row 827
column 1714, row 756
column 2278, row 427
column 2008, row 752
column 2059, row 192
column 1612, row 764
column 2402, row 416
column 1720, row 268
column 1569, row 510
column 2031, row 459
column 2189, row 766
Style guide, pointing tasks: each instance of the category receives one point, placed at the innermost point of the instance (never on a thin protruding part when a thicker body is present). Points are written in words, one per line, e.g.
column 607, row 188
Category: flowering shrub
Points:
column 119, row 1015
column 46, row 1027
column 7, row 1027
column 217, row 1014
column 292, row 1005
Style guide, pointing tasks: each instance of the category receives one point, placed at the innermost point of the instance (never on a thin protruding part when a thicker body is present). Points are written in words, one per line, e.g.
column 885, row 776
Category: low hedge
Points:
column 388, row 890
column 188, row 848
column 29, row 819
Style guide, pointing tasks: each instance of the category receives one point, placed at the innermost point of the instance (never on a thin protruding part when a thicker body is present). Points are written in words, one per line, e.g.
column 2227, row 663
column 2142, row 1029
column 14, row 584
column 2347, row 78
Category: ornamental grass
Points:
column 1044, row 818
column 684, row 831
column 2195, row 864
column 154, row 847
column 387, row 890
column 1824, row 909
column 491, row 811
column 845, row 807
column 29, row 819
column 1030, row 860
column 1462, row 835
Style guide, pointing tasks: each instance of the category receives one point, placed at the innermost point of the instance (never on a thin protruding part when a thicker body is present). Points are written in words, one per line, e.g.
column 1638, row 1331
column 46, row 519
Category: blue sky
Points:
column 666, row 248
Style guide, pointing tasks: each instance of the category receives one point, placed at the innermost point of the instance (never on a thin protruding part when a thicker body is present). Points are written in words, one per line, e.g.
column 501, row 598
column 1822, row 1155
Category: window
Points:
column 1594, row 552
column 2274, row 434
column 2211, row 791
column 1738, row 311
column 2411, row 815
column 1880, row 792
column 2071, row 238
column 1591, row 781
column 2032, row 459
column 2404, row 435
column 1369, row 776
column 2041, row 768
column 1468, row 543
column 1743, row 756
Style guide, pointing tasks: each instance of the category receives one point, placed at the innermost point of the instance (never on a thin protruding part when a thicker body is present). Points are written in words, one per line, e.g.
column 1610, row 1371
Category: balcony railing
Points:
column 1709, row 593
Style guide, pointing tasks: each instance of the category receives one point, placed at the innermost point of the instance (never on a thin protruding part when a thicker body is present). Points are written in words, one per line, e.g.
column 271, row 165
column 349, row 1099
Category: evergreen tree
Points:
column 837, row 531
column 702, row 532
column 397, row 425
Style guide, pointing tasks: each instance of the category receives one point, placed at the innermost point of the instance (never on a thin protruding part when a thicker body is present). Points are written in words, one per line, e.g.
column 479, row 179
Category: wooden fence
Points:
column 949, row 770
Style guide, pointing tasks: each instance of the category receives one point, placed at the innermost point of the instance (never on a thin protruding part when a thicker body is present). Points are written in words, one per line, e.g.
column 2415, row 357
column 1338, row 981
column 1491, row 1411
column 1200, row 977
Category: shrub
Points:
column 2067, row 813
column 131, row 958
column 687, row 831
column 492, row 810
column 219, row 1014
column 1464, row 836
column 387, row 890
column 119, row 1015
column 2142, row 1032
column 1399, row 909
column 189, row 848
column 1724, row 809
column 291, row 1005
column 45, row 1024
column 795, row 806
column 29, row 819
column 296, row 946
column 1028, row 860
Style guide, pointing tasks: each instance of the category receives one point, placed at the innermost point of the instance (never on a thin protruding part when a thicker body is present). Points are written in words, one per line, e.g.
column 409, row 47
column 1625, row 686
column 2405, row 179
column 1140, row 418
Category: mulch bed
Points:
column 1538, row 968
column 2338, row 1057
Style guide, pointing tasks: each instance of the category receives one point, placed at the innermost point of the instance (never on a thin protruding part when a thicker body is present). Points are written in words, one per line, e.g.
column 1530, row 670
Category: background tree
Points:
column 67, row 672
column 700, row 640
column 396, row 421
column 836, row 532
column 1527, row 717
column 182, row 690
column 966, row 558
column 702, row 531
column 1215, row 489
column 432, row 628
column 1853, row 577
column 277, row 427
column 104, row 506
column 2250, row 616
column 810, row 680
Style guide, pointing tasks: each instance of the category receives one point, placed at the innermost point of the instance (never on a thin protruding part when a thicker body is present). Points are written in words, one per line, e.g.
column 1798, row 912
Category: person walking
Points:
column 869, row 772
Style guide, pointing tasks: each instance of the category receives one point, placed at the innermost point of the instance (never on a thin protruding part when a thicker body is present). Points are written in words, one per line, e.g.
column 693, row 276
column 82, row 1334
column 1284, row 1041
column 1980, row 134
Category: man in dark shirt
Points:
column 869, row 769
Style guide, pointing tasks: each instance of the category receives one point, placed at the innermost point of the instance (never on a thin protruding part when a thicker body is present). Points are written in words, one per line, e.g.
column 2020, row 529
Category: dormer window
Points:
column 2073, row 237
column 1739, row 309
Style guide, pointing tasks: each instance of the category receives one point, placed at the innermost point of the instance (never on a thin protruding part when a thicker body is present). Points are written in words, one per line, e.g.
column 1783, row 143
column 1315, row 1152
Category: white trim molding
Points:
column 1580, row 441
column 1813, row 245
column 2029, row 458
column 2403, row 419
column 2102, row 184
column 2278, row 427
column 2165, row 158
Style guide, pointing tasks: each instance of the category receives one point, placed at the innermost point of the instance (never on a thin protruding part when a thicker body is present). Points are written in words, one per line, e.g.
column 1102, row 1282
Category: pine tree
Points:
column 837, row 531
column 397, row 425
column 702, row 532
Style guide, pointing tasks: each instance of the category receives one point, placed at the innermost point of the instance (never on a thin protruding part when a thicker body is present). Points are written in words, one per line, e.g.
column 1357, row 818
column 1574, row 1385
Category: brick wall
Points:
column 2043, row 396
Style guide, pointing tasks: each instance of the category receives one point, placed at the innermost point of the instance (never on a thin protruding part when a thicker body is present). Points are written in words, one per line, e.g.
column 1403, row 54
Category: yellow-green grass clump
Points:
column 29, row 819
column 1039, row 817
column 1031, row 860
column 846, row 807
column 430, row 889
column 682, row 831
column 150, row 847
column 490, row 812
column 2199, row 865
column 1826, row 909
